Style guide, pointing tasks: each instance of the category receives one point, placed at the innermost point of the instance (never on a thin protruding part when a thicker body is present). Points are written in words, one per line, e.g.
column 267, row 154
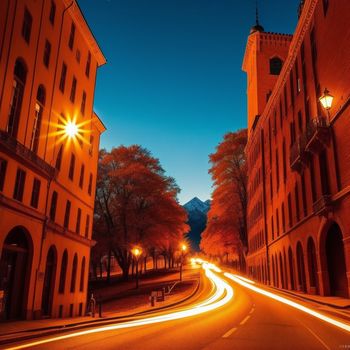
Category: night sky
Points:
column 173, row 81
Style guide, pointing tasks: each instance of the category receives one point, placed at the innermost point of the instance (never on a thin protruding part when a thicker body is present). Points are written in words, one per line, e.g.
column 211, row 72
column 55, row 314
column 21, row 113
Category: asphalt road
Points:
column 248, row 321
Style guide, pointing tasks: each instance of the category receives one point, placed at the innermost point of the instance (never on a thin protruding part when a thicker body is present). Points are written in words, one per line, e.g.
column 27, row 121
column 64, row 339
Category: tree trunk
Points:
column 109, row 265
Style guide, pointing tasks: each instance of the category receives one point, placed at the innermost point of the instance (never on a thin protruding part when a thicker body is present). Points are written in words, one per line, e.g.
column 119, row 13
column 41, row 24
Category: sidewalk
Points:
column 119, row 301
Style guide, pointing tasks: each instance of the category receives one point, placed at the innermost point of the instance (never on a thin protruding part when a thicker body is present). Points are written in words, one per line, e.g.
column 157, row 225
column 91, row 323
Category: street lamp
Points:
column 136, row 253
column 326, row 101
column 183, row 249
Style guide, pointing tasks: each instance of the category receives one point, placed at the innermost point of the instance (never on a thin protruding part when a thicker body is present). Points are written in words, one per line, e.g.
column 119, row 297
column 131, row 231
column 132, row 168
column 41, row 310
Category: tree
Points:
column 226, row 231
column 136, row 205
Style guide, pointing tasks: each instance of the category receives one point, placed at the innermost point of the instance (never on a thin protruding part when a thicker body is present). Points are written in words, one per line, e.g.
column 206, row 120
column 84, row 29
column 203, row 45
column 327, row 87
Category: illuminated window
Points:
column 275, row 66
column 19, row 80
column 77, row 229
column 35, row 193
column 63, row 77
column 71, row 167
column 3, row 168
column 71, row 36
column 63, row 272
column 52, row 12
column 67, row 215
column 27, row 25
column 53, row 206
column 47, row 53
column 19, row 185
column 38, row 113
column 73, row 89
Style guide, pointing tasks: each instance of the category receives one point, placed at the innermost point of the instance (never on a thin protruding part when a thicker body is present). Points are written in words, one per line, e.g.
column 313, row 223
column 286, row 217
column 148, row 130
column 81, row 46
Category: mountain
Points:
column 197, row 219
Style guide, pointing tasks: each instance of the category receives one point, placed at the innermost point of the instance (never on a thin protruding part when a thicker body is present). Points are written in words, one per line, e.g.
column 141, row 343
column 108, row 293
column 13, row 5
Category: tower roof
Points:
column 257, row 27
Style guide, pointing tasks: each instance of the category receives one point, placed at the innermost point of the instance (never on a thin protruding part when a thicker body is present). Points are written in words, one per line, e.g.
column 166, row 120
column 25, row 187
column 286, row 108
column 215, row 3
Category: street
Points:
column 248, row 320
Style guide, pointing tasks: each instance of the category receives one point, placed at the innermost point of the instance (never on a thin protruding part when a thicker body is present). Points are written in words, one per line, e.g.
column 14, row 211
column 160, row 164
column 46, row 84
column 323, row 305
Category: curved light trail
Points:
column 250, row 285
column 222, row 295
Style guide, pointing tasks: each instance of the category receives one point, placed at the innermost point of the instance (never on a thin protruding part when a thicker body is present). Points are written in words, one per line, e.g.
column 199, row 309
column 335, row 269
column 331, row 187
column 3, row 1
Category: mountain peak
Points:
column 196, row 204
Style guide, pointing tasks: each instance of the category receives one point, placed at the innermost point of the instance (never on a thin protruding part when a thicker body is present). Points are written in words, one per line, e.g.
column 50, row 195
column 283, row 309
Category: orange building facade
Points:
column 48, row 65
column 298, row 152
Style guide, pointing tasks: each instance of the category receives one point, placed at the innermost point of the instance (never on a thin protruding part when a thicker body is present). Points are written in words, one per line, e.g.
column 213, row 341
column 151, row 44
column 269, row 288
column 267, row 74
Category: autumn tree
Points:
column 136, row 204
column 226, row 231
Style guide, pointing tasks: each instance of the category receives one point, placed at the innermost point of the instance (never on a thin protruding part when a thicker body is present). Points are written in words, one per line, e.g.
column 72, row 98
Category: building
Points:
column 298, row 152
column 49, row 141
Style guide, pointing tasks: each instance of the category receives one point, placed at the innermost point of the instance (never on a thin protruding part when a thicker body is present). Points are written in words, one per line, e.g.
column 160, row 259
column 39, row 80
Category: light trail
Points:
column 222, row 295
column 286, row 301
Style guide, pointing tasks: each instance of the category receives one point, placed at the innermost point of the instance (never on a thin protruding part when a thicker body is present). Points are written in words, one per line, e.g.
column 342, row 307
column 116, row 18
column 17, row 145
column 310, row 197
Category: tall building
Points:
column 49, row 142
column 298, row 152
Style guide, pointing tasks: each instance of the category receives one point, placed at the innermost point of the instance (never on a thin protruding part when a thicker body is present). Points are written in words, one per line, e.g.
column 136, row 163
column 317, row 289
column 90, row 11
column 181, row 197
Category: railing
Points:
column 297, row 153
column 25, row 154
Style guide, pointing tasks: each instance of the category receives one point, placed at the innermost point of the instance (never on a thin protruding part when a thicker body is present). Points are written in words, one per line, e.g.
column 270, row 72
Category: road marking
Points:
column 227, row 334
column 315, row 335
column 245, row 320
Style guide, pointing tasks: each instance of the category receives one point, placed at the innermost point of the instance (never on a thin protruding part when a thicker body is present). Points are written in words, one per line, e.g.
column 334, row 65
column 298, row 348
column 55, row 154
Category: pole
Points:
column 137, row 273
column 182, row 255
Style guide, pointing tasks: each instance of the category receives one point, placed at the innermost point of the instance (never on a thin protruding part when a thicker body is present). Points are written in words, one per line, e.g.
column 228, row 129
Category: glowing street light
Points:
column 71, row 129
column 326, row 100
column 183, row 249
column 136, row 253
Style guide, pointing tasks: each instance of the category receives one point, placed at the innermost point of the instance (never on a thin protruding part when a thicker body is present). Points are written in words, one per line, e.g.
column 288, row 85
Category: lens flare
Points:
column 71, row 129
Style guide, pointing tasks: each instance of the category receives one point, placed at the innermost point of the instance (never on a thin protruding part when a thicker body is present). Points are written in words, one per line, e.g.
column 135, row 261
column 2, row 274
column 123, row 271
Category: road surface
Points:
column 249, row 320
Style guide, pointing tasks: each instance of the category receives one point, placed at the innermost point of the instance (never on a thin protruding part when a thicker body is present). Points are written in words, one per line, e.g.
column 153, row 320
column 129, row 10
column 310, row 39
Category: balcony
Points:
column 317, row 135
column 298, row 156
column 323, row 205
column 24, row 155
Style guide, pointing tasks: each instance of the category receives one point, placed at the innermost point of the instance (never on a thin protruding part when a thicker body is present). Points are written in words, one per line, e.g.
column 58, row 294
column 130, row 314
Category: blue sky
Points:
column 173, row 81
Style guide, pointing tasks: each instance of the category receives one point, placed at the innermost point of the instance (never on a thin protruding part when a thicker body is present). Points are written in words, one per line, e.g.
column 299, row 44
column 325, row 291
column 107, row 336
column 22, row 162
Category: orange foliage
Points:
column 226, row 231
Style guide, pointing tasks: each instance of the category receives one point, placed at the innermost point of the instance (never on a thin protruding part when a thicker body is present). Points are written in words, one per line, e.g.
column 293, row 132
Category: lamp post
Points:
column 183, row 249
column 136, row 253
column 326, row 101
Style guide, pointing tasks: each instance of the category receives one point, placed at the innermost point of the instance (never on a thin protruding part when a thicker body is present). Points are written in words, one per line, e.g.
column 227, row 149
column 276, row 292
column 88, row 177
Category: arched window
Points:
column 74, row 274
column 63, row 272
column 275, row 65
column 59, row 158
column 38, row 113
column 19, row 80
column 82, row 275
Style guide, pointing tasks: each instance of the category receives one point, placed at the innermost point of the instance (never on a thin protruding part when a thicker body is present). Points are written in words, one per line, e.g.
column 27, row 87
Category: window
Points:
column 74, row 274
column 88, row 64
column 291, row 82
column 52, row 12
column 19, row 185
column 71, row 36
column 67, row 215
column 275, row 65
column 90, row 185
column 283, row 219
column 63, row 272
column 297, row 76
column 59, row 158
column 82, row 275
column 303, row 194
column 77, row 228
column 292, row 133
column 312, row 180
column 324, row 172
column 63, row 77
column 87, row 226
column 277, row 171
column 3, row 167
column 47, row 53
column 81, row 179
column 38, row 113
column 83, row 103
column 91, row 150
column 272, row 228
column 27, row 25
column 313, row 46
column 284, row 161
column 297, row 207
column 19, row 80
column 35, row 193
column 277, row 223
column 290, row 216
column 53, row 206
column 73, row 89
column 300, row 122
column 285, row 101
column 71, row 167
column 325, row 4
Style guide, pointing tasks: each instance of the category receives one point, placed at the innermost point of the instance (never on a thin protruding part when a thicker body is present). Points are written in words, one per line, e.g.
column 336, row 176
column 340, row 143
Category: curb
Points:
column 88, row 324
